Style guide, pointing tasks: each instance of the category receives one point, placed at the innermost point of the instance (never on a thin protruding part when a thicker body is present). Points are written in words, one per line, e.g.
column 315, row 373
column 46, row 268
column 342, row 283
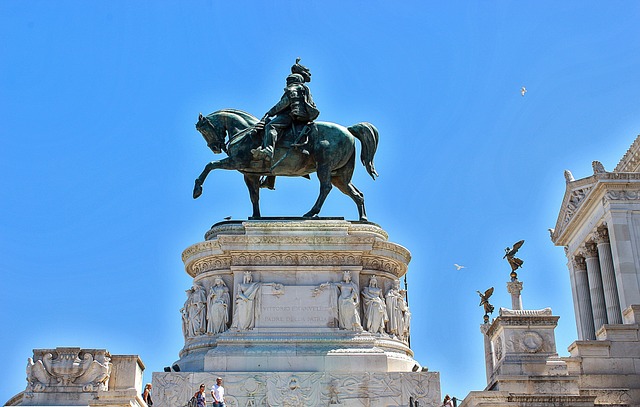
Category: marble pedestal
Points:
column 287, row 325
column 67, row 376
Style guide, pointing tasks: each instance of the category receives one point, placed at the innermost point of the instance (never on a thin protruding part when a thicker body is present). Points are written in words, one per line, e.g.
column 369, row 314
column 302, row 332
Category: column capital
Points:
column 589, row 250
column 514, row 287
column 601, row 235
column 579, row 263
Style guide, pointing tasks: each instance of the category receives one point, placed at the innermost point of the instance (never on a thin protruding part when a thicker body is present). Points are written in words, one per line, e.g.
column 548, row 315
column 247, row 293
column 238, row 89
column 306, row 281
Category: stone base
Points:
column 302, row 388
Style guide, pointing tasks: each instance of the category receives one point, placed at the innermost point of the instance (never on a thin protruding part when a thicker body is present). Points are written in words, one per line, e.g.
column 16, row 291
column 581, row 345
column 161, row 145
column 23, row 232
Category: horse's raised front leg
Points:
column 253, row 184
column 324, row 175
column 224, row 164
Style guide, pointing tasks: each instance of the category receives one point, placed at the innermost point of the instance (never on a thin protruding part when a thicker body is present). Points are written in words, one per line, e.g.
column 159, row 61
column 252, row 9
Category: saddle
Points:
column 297, row 136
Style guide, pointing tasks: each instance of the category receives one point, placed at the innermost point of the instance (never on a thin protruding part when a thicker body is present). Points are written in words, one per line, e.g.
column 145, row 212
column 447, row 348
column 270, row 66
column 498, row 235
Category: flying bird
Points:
column 458, row 267
column 523, row 90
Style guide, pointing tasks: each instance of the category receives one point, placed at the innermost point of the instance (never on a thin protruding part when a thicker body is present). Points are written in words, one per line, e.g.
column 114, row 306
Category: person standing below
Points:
column 217, row 391
column 447, row 402
column 146, row 394
column 201, row 400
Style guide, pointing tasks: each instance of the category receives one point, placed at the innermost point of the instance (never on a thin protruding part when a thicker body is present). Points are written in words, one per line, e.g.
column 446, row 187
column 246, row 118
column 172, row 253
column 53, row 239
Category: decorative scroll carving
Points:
column 378, row 264
column 63, row 367
column 626, row 195
column 211, row 264
column 200, row 247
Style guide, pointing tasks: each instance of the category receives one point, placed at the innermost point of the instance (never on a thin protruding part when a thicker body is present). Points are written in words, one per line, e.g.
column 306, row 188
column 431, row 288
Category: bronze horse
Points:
column 331, row 153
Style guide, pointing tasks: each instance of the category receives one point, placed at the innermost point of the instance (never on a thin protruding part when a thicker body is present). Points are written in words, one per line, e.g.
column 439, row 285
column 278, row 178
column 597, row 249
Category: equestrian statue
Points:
column 288, row 141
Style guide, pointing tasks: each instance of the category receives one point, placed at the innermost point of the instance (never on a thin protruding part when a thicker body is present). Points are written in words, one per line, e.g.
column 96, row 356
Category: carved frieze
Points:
column 303, row 389
column 623, row 195
column 575, row 200
column 211, row 264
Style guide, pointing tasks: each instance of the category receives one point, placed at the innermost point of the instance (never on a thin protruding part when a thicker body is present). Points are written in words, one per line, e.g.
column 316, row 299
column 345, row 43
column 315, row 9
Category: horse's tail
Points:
column 368, row 136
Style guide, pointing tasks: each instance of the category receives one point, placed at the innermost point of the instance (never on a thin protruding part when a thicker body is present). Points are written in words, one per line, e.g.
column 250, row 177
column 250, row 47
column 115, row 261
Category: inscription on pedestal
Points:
column 294, row 307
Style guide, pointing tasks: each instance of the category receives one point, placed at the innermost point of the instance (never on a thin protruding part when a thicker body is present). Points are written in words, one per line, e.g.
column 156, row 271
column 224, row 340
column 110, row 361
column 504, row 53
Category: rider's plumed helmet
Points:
column 301, row 70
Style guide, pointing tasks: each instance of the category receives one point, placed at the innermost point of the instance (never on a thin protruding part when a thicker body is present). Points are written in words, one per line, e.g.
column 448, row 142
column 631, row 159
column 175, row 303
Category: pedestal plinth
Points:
column 315, row 301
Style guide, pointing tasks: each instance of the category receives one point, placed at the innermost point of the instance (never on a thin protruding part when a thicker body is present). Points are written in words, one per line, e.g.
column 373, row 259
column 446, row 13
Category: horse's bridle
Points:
column 214, row 144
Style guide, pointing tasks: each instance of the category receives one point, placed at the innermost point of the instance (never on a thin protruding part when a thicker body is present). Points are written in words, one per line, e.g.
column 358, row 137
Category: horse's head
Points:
column 213, row 133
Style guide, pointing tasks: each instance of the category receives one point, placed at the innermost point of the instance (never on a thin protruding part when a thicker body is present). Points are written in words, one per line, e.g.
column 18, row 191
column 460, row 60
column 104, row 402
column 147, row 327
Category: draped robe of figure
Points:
column 185, row 319
column 348, row 306
column 247, row 301
column 218, row 308
column 197, row 311
column 375, row 310
column 395, row 311
column 406, row 318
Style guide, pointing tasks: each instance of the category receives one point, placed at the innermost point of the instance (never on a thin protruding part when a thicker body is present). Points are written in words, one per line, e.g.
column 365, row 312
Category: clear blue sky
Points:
column 98, row 153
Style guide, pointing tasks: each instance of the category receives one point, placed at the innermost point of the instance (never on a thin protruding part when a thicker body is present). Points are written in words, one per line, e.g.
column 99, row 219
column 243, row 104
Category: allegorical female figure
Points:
column 348, row 304
column 218, row 307
column 197, row 309
column 247, row 301
column 395, row 312
column 375, row 310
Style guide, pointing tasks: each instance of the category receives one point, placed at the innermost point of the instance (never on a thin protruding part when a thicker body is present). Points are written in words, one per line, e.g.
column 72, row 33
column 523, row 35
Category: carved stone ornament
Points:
column 498, row 348
column 531, row 342
column 294, row 392
column 598, row 168
column 602, row 235
column 525, row 312
column 579, row 263
column 49, row 369
column 626, row 195
column 589, row 250
column 568, row 176
column 575, row 200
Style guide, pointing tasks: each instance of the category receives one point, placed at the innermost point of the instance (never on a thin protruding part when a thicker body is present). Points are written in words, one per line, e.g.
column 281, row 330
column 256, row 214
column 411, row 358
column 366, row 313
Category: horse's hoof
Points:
column 197, row 191
column 364, row 219
column 310, row 215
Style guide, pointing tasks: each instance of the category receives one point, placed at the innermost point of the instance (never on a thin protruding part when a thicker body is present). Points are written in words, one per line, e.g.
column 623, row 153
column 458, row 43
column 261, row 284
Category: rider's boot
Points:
column 263, row 153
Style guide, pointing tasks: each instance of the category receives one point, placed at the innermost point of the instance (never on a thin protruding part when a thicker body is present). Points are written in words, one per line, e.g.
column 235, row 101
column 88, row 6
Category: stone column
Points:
column 488, row 354
column 624, row 240
column 614, row 314
column 586, row 330
column 598, row 306
column 515, row 288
